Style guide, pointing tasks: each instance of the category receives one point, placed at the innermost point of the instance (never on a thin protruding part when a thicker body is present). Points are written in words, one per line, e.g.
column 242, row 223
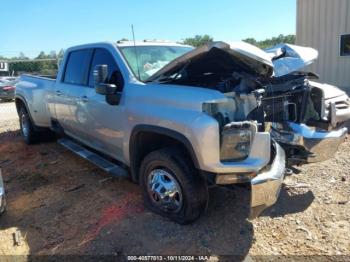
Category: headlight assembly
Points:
column 236, row 139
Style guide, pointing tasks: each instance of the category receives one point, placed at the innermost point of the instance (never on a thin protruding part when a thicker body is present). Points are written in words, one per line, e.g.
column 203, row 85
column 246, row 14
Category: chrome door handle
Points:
column 84, row 99
column 59, row 93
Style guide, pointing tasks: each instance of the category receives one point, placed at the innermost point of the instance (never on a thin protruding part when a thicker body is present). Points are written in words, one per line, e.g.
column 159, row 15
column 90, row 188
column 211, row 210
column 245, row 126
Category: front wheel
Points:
column 172, row 186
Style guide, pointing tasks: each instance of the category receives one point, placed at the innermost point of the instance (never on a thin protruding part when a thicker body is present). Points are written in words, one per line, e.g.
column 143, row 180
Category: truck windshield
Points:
column 151, row 58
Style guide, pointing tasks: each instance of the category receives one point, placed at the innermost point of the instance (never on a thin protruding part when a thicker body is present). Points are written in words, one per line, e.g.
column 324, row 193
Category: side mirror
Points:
column 100, row 81
column 102, row 86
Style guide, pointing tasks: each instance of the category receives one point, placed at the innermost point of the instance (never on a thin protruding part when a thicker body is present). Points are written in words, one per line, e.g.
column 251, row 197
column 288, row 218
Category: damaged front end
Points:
column 265, row 93
column 306, row 144
column 307, row 123
column 307, row 118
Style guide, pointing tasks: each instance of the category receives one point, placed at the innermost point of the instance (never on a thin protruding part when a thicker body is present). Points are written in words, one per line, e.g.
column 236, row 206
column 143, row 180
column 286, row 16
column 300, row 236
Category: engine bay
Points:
column 273, row 104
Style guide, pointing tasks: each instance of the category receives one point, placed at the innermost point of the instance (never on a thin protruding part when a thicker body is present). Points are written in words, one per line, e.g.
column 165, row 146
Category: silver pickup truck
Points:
column 176, row 119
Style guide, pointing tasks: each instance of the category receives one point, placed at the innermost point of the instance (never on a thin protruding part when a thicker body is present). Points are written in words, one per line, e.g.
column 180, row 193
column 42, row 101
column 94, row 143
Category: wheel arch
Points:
column 20, row 101
column 147, row 138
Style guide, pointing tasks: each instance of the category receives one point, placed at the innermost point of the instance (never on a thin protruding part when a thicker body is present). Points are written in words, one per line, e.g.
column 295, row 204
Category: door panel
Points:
column 70, row 111
column 103, row 122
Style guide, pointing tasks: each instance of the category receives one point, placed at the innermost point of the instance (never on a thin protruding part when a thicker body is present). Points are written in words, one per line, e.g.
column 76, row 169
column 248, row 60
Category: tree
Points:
column 53, row 55
column 288, row 39
column 197, row 40
column 41, row 55
column 22, row 56
column 251, row 41
column 60, row 53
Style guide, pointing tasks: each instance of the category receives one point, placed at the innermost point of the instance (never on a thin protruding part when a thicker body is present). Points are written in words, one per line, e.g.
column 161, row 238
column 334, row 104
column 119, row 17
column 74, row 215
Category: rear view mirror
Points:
column 102, row 86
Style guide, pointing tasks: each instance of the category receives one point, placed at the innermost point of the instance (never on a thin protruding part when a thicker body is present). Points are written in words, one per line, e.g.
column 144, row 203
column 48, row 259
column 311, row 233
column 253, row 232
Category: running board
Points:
column 94, row 158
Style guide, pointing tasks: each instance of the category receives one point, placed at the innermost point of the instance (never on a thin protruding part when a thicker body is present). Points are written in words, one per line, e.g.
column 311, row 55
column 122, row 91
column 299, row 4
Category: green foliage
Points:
column 35, row 67
column 289, row 39
column 197, row 40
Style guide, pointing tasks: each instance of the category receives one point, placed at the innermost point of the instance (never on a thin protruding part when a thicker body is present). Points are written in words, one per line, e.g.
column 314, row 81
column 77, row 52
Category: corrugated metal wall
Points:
column 320, row 24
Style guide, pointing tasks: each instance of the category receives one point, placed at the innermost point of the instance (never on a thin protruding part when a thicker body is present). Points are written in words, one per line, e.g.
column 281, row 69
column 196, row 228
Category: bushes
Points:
column 47, row 67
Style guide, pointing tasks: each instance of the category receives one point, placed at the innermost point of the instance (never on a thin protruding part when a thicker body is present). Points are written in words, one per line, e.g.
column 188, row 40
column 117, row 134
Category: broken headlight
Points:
column 236, row 139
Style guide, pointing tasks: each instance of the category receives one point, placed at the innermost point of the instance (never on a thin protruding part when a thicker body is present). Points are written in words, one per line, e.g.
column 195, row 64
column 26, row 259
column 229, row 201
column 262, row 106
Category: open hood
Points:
column 287, row 58
column 219, row 57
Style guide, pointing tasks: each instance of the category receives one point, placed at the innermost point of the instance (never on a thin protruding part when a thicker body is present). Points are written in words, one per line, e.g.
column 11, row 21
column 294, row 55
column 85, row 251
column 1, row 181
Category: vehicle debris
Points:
column 105, row 180
column 16, row 238
column 75, row 188
column 309, row 234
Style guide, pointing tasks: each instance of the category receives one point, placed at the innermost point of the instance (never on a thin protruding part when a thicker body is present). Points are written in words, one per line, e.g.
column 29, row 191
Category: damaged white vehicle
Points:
column 177, row 119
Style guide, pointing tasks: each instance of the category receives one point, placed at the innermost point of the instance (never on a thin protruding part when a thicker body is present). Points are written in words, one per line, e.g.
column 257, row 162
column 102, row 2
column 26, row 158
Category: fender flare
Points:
column 22, row 99
column 161, row 131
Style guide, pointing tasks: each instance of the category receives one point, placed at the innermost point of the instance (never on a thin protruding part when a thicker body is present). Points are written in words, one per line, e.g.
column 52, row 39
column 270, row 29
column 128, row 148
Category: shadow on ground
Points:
column 290, row 203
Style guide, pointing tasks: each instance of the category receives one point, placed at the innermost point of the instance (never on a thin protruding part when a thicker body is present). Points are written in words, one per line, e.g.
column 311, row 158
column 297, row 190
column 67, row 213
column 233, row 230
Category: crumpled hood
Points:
column 218, row 56
column 276, row 61
column 287, row 58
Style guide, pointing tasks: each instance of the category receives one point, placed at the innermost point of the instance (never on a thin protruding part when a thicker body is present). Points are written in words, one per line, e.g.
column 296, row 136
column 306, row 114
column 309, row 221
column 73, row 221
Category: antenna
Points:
column 136, row 54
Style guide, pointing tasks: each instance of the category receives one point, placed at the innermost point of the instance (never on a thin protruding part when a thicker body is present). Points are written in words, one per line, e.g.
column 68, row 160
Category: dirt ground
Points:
column 60, row 204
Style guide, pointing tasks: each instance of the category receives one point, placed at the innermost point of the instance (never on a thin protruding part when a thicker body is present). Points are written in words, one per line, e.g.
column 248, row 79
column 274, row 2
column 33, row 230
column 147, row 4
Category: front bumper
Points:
column 266, row 186
column 7, row 95
column 319, row 145
column 339, row 110
column 2, row 195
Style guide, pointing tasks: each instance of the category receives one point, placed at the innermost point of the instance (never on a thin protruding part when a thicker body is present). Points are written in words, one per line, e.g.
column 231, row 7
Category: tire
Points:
column 30, row 132
column 168, row 169
column 27, row 128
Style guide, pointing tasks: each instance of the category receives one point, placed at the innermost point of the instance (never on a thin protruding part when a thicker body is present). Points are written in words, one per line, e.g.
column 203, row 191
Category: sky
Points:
column 32, row 26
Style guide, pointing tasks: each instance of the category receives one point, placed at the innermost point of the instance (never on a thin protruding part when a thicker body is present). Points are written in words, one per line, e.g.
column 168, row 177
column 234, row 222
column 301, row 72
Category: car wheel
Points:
column 27, row 129
column 172, row 187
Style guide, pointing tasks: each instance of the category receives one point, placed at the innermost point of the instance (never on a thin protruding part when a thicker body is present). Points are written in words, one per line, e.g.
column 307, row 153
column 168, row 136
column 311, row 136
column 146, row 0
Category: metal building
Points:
column 325, row 26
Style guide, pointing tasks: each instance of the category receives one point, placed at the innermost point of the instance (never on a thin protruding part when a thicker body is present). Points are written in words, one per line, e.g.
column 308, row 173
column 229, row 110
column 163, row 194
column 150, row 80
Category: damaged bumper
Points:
column 339, row 112
column 2, row 195
column 266, row 186
column 319, row 145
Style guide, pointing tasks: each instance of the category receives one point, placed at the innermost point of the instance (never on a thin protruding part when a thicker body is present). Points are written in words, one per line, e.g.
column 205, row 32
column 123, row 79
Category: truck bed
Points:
column 36, row 91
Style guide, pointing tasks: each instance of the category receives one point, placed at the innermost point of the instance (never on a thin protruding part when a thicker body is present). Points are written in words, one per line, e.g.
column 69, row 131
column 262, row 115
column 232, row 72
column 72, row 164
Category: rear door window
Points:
column 77, row 67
